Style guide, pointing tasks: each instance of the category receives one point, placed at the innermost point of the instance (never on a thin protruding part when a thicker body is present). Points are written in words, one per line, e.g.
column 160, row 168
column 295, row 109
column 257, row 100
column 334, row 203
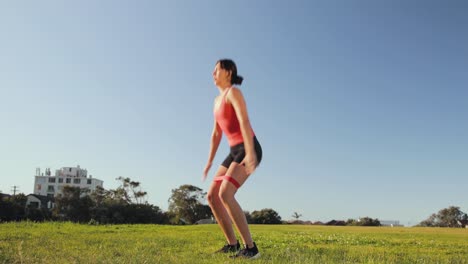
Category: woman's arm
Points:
column 216, row 136
column 237, row 100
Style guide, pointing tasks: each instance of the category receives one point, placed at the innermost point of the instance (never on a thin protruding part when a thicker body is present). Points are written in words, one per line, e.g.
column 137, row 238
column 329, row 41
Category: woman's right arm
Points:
column 216, row 136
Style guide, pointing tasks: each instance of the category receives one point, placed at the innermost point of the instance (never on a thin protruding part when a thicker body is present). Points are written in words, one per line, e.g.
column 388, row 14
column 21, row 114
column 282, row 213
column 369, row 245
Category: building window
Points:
column 50, row 195
column 50, row 188
column 38, row 187
column 68, row 180
column 60, row 180
column 52, row 180
column 77, row 181
column 89, row 181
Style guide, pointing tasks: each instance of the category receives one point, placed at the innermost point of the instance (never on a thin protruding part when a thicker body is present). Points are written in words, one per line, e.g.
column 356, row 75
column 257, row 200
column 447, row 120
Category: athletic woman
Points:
column 231, row 119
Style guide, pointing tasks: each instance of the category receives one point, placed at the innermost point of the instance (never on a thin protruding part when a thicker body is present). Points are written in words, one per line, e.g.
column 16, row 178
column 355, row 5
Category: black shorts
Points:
column 237, row 153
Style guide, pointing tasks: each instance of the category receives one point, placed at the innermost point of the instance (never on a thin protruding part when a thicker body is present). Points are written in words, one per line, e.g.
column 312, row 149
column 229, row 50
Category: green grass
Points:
column 28, row 242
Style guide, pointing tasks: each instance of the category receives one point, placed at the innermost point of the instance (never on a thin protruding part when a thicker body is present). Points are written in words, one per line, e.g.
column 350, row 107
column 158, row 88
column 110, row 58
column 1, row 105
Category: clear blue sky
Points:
column 361, row 106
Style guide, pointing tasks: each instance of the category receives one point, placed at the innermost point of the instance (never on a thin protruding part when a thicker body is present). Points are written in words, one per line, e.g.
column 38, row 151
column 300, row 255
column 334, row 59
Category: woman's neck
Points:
column 223, row 88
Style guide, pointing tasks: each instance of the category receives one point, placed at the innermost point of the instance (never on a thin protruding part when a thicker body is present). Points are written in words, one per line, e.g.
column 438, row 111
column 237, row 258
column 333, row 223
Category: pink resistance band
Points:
column 227, row 178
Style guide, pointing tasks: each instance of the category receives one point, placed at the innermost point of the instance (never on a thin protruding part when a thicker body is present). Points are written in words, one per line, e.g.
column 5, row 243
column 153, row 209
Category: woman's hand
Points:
column 250, row 162
column 206, row 170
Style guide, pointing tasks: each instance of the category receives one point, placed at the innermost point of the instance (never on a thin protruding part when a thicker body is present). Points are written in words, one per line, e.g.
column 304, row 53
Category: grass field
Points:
column 28, row 242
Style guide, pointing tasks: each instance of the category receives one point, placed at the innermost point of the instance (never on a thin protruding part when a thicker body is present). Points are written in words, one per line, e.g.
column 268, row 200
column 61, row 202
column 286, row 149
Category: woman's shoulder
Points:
column 234, row 91
column 235, row 96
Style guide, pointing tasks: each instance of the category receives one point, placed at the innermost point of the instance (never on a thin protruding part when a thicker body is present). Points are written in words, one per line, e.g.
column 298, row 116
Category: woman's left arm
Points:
column 237, row 100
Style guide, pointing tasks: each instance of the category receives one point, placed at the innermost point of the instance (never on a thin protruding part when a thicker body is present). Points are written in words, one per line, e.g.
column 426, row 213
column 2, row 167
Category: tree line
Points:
column 127, row 205
column 124, row 205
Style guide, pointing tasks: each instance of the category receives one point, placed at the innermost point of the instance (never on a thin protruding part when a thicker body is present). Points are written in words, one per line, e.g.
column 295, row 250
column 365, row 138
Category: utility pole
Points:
column 15, row 188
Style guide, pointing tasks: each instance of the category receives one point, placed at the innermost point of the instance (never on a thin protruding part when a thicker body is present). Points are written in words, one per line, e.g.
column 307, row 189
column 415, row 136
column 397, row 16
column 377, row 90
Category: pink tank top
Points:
column 226, row 118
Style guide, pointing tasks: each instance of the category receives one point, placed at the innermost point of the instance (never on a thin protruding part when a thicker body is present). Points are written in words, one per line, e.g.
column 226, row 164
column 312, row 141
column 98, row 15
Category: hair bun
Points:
column 237, row 79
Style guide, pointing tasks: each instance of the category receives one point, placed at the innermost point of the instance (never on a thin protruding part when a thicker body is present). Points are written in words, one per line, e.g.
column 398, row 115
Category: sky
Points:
column 361, row 107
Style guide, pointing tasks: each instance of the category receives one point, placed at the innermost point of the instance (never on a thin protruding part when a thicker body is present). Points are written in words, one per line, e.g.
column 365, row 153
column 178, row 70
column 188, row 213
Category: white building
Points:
column 50, row 185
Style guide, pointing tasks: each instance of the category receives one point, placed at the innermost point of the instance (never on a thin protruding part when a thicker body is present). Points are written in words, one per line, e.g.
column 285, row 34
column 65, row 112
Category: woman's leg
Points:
column 226, row 194
column 218, row 209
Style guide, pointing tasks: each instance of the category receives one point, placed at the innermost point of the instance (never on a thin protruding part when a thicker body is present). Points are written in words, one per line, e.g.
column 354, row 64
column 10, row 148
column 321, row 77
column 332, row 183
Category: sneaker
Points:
column 230, row 248
column 248, row 253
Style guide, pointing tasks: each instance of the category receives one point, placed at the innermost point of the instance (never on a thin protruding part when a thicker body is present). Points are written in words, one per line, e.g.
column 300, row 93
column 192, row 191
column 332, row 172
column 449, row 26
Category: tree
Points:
column 363, row 221
column 12, row 208
column 266, row 216
column 131, row 191
column 447, row 217
column 351, row 222
column 367, row 221
column 73, row 204
column 99, row 196
column 185, row 205
column 126, row 204
column 296, row 215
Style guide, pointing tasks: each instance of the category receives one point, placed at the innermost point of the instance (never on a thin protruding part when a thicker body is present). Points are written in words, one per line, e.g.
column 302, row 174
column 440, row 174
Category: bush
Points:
column 265, row 216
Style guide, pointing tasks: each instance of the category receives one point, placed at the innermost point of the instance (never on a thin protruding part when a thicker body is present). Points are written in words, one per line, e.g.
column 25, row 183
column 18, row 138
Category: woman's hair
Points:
column 229, row 65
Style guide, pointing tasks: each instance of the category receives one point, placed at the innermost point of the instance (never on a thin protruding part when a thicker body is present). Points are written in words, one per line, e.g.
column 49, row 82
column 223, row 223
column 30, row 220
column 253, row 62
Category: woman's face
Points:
column 221, row 76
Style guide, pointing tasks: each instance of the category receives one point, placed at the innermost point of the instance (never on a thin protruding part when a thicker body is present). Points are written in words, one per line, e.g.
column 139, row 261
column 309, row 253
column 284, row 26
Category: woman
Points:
column 231, row 118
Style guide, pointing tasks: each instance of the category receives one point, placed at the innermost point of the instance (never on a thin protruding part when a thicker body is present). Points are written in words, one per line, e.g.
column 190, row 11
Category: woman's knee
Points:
column 213, row 198
column 210, row 197
column 225, row 195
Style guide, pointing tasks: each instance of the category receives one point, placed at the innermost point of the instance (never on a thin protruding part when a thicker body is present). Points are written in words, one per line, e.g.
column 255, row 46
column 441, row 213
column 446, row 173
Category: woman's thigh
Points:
column 237, row 172
column 214, row 187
